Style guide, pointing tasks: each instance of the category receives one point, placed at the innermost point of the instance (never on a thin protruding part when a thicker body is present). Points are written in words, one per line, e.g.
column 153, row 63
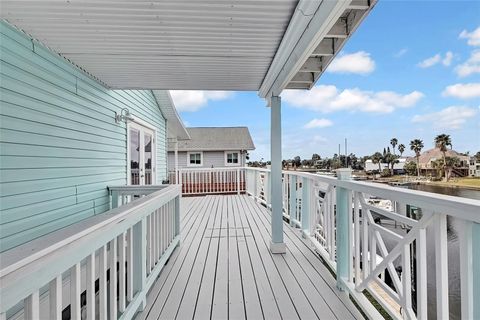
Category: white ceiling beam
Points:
column 303, row 77
column 311, row 65
column 339, row 29
column 295, row 85
column 292, row 55
column 359, row 4
column 325, row 48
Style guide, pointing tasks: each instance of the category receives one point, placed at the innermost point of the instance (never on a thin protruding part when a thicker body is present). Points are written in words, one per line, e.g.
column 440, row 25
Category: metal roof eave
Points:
column 175, row 126
column 316, row 33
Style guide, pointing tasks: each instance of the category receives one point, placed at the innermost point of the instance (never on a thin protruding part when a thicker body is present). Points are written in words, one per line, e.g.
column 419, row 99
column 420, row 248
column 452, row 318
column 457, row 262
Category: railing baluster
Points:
column 129, row 265
column 103, row 282
column 113, row 278
column 365, row 244
column 32, row 306
column 441, row 265
column 356, row 228
column 149, row 243
column 75, row 303
column 121, row 272
column 139, row 259
column 406, row 281
column 55, row 298
column 421, row 275
column 90, row 277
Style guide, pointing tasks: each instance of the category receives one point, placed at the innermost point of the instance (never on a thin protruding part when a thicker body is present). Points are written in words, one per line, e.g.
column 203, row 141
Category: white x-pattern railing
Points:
column 381, row 239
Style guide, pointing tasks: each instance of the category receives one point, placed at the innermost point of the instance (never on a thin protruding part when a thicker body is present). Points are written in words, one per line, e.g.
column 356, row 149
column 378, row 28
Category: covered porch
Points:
column 225, row 270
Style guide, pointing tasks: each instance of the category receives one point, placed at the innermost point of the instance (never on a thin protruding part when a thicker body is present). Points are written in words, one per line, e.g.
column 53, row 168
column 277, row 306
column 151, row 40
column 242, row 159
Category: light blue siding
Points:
column 59, row 143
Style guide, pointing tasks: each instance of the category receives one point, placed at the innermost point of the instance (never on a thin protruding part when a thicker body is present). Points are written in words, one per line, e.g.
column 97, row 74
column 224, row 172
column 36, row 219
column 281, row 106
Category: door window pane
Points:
column 134, row 156
column 148, row 158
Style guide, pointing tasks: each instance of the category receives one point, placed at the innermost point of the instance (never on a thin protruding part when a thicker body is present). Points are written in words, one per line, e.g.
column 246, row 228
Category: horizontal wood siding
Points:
column 59, row 143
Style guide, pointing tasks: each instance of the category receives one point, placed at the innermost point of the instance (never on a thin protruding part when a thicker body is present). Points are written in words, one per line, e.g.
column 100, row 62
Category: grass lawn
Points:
column 460, row 182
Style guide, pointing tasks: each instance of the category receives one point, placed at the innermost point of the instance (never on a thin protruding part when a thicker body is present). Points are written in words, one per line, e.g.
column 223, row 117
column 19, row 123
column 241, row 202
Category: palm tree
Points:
column 401, row 148
column 416, row 146
column 377, row 158
column 391, row 159
column 451, row 163
column 394, row 142
column 442, row 141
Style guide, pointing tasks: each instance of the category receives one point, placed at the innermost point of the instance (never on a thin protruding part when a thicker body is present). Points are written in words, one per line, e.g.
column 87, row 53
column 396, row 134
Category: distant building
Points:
column 397, row 167
column 429, row 157
column 474, row 167
column 212, row 147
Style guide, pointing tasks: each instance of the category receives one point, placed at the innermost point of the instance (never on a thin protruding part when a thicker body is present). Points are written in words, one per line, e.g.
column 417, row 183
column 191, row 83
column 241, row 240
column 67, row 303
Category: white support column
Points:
column 276, row 245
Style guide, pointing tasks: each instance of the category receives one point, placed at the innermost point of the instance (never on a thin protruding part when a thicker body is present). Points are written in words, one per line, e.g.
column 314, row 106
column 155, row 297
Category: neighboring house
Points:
column 474, row 167
column 211, row 147
column 428, row 158
column 62, row 144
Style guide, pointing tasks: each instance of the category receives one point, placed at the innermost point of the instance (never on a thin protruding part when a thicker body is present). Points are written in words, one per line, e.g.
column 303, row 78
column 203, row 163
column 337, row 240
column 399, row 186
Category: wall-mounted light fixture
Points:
column 123, row 116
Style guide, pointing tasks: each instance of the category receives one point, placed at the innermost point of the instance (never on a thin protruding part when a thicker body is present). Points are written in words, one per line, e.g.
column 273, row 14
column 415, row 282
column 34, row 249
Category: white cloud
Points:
column 473, row 38
column 447, row 60
column 327, row 98
column 191, row 100
column 463, row 90
column 429, row 62
column 318, row 123
column 471, row 66
column 401, row 53
column 358, row 63
column 449, row 118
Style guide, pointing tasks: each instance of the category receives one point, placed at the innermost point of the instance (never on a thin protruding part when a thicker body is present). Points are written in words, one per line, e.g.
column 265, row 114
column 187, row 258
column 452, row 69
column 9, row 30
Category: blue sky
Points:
column 412, row 70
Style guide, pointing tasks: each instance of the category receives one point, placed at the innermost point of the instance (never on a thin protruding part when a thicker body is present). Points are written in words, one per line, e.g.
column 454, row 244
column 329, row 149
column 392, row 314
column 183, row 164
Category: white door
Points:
column 141, row 151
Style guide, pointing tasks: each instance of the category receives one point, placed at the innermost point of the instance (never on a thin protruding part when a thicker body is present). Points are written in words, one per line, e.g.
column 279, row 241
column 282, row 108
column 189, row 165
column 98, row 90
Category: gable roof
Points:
column 216, row 139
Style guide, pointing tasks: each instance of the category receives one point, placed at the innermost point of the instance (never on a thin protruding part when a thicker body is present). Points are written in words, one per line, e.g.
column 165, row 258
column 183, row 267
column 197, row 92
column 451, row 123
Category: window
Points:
column 231, row 158
column 194, row 159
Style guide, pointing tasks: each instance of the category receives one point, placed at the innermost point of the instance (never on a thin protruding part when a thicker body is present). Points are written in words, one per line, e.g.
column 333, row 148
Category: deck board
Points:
column 223, row 269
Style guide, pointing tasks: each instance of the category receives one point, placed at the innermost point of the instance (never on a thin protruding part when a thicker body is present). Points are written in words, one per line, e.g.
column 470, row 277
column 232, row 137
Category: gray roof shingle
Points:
column 216, row 139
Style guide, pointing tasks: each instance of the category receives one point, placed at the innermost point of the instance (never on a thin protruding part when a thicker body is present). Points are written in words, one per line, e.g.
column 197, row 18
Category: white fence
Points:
column 381, row 246
column 106, row 263
column 197, row 181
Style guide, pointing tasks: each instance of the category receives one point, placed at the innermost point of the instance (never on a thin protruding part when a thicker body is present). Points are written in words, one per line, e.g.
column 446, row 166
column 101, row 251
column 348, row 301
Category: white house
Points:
column 474, row 167
column 370, row 166
column 211, row 147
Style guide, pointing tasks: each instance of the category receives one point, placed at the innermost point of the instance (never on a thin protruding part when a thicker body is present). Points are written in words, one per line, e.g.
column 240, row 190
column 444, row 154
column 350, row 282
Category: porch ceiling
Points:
column 264, row 45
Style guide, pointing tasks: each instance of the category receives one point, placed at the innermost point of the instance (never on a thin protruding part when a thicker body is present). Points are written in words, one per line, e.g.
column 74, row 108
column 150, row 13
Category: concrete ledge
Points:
column 278, row 247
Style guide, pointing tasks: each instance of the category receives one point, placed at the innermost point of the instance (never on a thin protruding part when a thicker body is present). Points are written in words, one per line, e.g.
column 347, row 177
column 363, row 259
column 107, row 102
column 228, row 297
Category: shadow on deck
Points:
column 223, row 269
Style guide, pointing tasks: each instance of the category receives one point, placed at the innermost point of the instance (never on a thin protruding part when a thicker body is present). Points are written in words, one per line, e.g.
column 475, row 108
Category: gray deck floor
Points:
column 224, row 269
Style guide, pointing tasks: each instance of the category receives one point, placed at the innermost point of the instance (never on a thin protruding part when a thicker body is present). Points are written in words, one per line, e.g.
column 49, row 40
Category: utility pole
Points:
column 346, row 154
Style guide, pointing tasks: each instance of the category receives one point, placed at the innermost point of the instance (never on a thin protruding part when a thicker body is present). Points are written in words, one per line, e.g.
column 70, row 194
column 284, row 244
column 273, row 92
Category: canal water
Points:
column 453, row 228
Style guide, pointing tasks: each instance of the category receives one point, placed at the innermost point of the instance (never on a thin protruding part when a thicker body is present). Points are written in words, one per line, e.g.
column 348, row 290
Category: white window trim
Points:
column 191, row 164
column 238, row 164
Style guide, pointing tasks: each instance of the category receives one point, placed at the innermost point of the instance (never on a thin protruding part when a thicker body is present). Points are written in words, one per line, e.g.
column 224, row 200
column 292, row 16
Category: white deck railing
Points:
column 197, row 181
column 106, row 263
column 378, row 239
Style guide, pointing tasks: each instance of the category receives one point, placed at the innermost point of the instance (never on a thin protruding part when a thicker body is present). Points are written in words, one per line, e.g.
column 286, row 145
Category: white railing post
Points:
column 305, row 218
column 470, row 269
column 238, row 181
column 177, row 216
column 441, row 265
column 293, row 198
column 114, row 200
column 343, row 233
column 139, row 246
